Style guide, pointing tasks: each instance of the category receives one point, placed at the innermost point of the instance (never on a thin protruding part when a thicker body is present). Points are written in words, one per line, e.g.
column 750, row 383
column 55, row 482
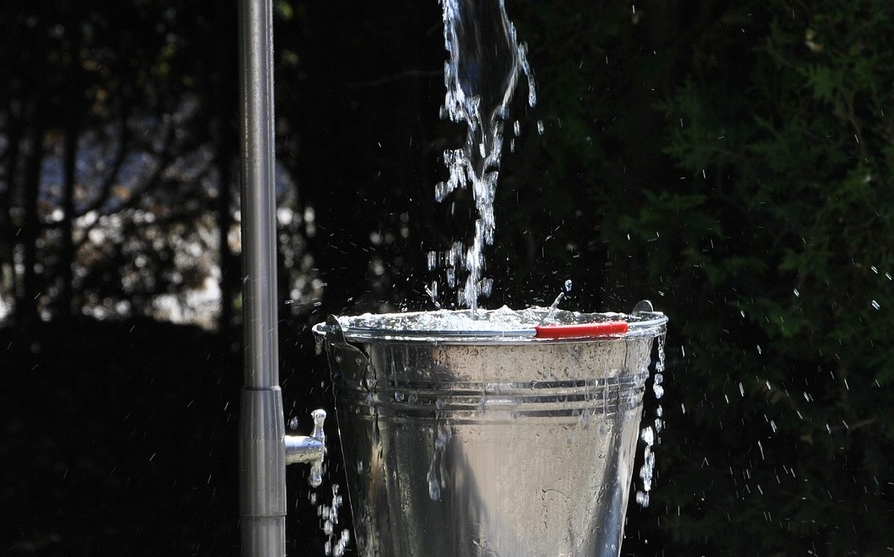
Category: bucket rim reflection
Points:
column 382, row 327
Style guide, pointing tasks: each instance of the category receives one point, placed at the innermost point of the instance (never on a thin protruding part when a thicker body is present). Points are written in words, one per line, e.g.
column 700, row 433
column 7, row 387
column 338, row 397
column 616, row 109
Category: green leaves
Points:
column 800, row 186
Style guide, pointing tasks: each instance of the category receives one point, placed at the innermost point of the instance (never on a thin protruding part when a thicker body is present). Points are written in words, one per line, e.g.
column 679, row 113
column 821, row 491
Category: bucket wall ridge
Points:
column 400, row 361
column 482, row 401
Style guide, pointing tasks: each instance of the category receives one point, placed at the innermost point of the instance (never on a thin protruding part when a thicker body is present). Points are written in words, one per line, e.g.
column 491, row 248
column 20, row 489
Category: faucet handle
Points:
column 319, row 417
column 309, row 449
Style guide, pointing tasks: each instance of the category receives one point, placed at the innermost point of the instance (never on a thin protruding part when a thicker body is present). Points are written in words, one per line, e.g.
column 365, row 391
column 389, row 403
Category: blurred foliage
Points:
column 772, row 251
column 100, row 184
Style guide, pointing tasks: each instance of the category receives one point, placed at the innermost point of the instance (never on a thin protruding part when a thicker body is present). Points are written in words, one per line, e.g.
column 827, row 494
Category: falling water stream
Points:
column 650, row 434
column 485, row 60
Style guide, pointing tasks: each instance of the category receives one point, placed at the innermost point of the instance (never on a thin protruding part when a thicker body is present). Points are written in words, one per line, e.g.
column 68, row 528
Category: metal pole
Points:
column 262, row 453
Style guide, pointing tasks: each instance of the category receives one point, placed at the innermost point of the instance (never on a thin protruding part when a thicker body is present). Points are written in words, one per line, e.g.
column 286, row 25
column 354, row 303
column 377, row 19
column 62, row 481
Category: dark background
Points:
column 730, row 161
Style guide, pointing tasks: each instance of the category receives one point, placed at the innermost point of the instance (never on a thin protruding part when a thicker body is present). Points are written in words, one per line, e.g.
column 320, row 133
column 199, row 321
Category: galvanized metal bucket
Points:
column 491, row 442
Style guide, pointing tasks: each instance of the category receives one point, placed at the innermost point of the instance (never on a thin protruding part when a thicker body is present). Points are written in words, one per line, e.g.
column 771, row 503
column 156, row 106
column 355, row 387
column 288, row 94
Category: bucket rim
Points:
column 636, row 325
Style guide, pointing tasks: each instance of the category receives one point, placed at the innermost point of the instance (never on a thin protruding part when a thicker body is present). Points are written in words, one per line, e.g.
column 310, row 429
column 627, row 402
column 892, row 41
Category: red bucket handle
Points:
column 582, row 330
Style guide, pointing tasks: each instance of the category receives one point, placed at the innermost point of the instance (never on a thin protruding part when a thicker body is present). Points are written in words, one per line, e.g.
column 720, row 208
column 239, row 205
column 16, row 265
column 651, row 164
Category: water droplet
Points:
column 329, row 516
column 434, row 490
column 876, row 305
column 293, row 423
column 585, row 418
column 647, row 435
column 642, row 498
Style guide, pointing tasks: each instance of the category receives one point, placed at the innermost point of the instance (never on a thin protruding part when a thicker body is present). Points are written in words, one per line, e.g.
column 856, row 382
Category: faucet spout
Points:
column 309, row 449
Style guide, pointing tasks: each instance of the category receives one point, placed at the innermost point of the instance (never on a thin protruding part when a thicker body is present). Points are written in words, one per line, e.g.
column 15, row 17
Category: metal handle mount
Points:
column 309, row 449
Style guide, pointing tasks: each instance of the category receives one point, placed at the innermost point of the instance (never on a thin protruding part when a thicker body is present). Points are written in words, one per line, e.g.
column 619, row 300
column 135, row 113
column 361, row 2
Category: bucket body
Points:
column 488, row 445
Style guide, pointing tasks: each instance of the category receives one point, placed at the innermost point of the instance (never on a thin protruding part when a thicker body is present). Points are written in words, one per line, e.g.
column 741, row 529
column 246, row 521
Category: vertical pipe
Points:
column 262, row 487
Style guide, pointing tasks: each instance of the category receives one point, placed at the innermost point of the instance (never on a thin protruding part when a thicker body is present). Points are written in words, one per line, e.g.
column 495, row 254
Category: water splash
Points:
column 437, row 470
column 557, row 301
column 481, row 74
column 432, row 292
column 650, row 435
column 504, row 320
column 336, row 540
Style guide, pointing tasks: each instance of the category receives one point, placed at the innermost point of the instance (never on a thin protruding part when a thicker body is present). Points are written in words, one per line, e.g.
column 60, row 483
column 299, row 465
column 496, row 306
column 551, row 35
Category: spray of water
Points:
column 481, row 74
column 555, row 305
column 336, row 540
column 650, row 434
column 437, row 474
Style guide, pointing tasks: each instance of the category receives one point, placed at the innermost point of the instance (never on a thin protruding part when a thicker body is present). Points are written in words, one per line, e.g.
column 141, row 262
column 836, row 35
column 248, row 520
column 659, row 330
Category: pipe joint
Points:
column 309, row 449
